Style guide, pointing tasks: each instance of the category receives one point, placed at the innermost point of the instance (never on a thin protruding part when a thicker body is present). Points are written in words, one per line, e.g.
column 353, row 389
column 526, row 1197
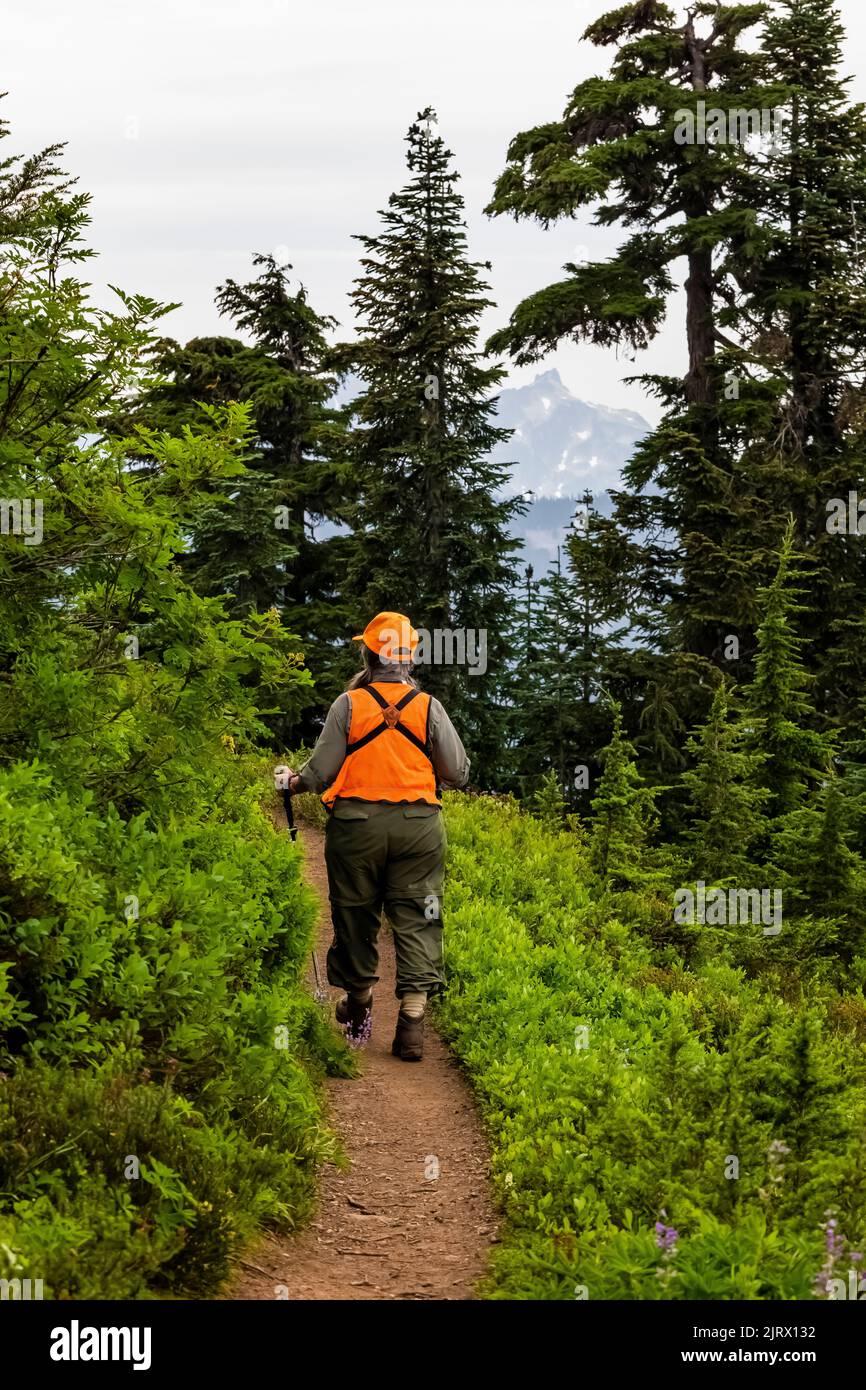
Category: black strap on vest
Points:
column 391, row 720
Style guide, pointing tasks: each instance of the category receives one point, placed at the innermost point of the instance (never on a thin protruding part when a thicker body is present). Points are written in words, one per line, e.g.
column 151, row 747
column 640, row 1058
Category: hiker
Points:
column 384, row 754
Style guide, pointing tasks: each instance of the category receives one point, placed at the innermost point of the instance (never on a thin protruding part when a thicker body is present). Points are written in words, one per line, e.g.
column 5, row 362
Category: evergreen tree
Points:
column 548, row 802
column 780, row 715
column 660, row 723
column 624, row 146
column 820, row 873
column 801, row 329
column 118, row 681
column 545, row 693
column 726, row 800
column 518, row 769
column 801, row 1094
column 256, row 546
column 769, row 417
column 623, row 816
column 577, row 635
column 853, row 783
column 599, row 593
column 430, row 529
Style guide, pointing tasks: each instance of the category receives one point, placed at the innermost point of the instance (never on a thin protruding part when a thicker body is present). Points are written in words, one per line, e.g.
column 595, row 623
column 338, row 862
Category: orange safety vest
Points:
column 387, row 758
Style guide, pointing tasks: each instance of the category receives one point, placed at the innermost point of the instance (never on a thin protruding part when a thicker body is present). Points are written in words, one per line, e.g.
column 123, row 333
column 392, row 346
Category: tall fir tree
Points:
column 780, row 714
column 629, row 145
column 768, row 418
column 430, row 524
column 819, row 871
column 546, row 693
column 799, row 334
column 256, row 546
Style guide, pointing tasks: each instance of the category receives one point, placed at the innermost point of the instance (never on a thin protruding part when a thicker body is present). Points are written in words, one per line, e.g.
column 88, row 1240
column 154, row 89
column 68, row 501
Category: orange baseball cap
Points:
column 389, row 635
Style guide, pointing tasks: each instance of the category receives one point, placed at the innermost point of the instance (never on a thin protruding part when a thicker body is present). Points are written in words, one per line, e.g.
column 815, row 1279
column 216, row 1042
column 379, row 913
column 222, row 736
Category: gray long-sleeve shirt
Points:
column 447, row 753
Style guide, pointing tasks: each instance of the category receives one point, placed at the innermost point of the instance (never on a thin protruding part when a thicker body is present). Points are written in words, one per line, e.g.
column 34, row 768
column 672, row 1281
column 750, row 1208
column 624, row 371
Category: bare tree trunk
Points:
column 700, row 329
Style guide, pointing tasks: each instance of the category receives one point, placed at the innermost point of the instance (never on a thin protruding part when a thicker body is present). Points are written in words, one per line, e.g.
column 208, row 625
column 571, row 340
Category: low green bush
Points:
column 623, row 1088
column 176, row 1044
column 159, row 1055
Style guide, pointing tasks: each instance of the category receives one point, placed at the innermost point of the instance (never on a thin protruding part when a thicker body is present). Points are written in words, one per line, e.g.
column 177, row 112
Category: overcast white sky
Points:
column 206, row 130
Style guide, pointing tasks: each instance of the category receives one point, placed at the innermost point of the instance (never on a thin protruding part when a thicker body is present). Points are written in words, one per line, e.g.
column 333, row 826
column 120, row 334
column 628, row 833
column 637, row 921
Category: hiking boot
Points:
column 356, row 1018
column 408, row 1042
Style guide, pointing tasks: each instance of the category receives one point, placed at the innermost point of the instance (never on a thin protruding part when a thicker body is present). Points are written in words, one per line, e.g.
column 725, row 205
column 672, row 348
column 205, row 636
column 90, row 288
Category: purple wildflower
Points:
column 666, row 1237
column 834, row 1252
column 362, row 1036
column 666, row 1240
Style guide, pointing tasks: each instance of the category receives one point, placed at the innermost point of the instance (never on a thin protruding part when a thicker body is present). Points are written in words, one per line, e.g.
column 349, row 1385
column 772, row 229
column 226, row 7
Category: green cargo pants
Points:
column 393, row 856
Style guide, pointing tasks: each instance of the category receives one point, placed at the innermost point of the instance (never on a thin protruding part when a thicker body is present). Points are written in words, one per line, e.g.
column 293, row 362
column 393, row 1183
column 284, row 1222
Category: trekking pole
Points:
column 293, row 832
column 290, row 814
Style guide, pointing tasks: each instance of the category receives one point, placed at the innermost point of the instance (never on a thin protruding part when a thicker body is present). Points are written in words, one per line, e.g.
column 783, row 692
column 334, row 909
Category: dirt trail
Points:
column 387, row 1227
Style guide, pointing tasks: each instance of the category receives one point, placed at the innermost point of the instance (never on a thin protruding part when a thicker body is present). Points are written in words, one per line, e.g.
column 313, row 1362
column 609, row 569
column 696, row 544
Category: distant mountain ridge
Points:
column 560, row 447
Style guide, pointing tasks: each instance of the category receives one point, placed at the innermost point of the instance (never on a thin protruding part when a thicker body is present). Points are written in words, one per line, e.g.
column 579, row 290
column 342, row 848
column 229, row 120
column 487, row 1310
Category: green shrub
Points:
column 618, row 1083
column 203, row 1046
column 154, row 925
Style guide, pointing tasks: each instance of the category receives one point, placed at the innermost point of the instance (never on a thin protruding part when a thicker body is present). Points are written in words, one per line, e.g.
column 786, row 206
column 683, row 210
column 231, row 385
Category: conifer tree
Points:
column 853, row 783
column 577, row 630
column 769, row 417
column 256, row 545
column 726, row 799
column 801, row 330
column 820, row 873
column 630, row 145
column 430, row 527
column 548, row 803
column 781, row 717
column 547, row 694
column 801, row 1094
column 623, row 815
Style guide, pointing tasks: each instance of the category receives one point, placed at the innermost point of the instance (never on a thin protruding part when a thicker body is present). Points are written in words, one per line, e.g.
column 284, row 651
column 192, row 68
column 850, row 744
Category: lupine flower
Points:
column 834, row 1251
column 666, row 1237
column 362, row 1037
column 666, row 1240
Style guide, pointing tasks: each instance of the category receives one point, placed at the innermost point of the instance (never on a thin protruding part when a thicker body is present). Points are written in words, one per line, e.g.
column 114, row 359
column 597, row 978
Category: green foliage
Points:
column 618, row 1083
column 623, row 815
column 153, row 923
column 252, row 543
column 781, row 715
column 158, row 1053
column 208, row 1170
column 548, row 802
column 726, row 798
column 768, row 419
column 572, row 627
column 821, row 874
column 429, row 524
